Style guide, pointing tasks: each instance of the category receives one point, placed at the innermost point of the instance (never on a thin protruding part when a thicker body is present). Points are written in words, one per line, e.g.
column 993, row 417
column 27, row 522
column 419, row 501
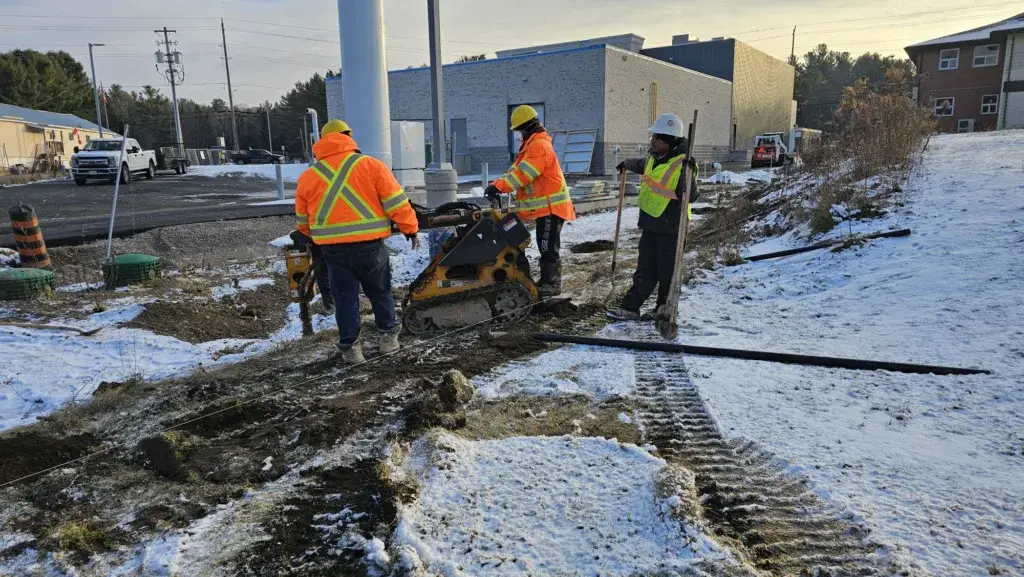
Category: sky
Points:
column 274, row 43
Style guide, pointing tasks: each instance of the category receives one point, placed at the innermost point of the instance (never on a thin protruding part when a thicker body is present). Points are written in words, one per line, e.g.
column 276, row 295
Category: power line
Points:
column 335, row 31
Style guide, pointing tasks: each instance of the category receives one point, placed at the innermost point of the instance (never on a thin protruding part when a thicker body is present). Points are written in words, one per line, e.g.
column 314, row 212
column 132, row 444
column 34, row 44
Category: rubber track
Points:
column 783, row 528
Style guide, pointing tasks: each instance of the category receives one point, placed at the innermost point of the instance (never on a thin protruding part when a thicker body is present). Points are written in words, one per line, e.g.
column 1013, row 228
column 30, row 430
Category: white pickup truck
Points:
column 98, row 160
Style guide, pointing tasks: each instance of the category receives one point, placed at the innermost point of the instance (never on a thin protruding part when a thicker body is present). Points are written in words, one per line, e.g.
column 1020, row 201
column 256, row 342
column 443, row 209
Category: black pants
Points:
column 549, row 242
column 653, row 269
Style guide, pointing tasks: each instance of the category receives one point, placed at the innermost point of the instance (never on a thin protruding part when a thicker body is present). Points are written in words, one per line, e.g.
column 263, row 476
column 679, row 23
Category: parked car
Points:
column 256, row 156
column 98, row 159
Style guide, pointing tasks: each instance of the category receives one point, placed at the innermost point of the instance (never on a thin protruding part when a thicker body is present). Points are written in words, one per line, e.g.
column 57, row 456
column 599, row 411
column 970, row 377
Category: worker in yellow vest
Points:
column 661, row 189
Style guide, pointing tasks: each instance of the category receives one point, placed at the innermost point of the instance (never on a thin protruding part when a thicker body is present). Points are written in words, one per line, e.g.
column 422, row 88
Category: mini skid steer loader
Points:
column 481, row 272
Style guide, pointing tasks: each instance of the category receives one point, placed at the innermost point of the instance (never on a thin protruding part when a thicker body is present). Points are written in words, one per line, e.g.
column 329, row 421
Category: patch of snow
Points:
column 281, row 202
column 932, row 463
column 729, row 177
column 543, row 506
column 282, row 241
column 623, row 417
column 45, row 369
column 571, row 370
column 265, row 171
column 9, row 257
column 247, row 284
column 80, row 287
column 406, row 263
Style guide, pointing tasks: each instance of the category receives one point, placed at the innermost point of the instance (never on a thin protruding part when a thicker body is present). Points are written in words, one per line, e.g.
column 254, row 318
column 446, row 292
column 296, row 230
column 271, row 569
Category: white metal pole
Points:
column 117, row 185
column 316, row 125
column 365, row 77
column 95, row 90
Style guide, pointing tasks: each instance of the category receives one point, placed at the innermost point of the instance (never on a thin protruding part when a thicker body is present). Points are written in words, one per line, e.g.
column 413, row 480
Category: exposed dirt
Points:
column 30, row 451
column 592, row 246
column 254, row 314
column 224, row 425
column 191, row 245
column 300, row 545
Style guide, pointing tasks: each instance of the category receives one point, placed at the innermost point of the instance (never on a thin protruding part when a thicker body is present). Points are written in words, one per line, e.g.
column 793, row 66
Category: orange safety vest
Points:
column 349, row 197
column 537, row 180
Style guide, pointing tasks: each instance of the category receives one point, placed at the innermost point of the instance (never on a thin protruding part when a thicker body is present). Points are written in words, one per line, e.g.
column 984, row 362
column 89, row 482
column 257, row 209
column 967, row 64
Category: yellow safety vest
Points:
column 658, row 185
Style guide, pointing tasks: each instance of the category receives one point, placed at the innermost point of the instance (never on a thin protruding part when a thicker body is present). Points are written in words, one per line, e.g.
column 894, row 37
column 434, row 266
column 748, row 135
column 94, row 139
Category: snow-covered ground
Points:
column 49, row 368
column 934, row 464
column 729, row 177
column 543, row 506
column 267, row 171
column 566, row 371
column 45, row 369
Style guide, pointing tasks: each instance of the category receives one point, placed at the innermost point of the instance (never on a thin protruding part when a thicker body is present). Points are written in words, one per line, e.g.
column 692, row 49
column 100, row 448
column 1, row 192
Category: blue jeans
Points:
column 365, row 264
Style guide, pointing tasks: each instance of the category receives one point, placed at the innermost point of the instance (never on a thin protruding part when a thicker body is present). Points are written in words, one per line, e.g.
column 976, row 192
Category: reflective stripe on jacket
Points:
column 348, row 197
column 658, row 185
column 537, row 180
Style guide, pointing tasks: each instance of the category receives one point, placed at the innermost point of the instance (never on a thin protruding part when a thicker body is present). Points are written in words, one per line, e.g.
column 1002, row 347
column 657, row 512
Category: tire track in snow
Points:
column 746, row 495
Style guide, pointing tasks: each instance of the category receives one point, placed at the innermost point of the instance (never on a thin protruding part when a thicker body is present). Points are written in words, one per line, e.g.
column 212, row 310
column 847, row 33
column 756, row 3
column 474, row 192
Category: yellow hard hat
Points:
column 521, row 115
column 333, row 126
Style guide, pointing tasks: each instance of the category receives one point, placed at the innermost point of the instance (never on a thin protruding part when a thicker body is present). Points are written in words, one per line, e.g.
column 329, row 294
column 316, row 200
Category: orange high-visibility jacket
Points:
column 537, row 180
column 349, row 197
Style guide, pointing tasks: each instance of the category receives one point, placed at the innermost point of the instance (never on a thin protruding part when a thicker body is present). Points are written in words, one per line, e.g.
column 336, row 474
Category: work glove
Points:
column 414, row 240
column 691, row 163
column 493, row 194
column 621, row 167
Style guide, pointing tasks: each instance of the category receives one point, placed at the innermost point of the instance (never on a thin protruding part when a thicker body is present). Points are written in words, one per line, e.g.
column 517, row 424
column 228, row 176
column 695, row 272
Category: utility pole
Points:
column 436, row 84
column 792, row 49
column 95, row 91
column 106, row 115
column 173, row 59
column 231, row 96
column 270, row 136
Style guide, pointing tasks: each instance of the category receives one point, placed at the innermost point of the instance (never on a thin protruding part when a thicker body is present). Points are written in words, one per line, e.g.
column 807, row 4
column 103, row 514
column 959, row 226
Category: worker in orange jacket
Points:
column 541, row 194
column 346, row 202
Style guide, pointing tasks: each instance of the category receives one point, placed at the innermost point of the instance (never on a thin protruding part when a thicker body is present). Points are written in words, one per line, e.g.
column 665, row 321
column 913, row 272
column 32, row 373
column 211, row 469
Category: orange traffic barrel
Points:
column 28, row 238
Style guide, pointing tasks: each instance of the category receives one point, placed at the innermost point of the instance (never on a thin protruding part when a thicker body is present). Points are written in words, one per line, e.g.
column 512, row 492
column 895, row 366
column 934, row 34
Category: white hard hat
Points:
column 669, row 124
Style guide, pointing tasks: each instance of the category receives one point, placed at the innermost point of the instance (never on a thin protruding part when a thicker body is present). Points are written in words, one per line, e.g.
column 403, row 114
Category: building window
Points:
column 965, row 125
column 944, row 106
column 990, row 104
column 986, row 55
column 949, row 59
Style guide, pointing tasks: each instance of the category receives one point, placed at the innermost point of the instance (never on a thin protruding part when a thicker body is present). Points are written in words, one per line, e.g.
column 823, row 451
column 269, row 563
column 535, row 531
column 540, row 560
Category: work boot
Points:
column 389, row 341
column 353, row 355
column 621, row 314
column 550, row 284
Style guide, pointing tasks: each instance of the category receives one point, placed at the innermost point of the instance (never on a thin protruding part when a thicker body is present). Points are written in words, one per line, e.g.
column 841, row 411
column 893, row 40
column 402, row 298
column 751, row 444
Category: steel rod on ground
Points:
column 785, row 358
column 828, row 243
column 117, row 185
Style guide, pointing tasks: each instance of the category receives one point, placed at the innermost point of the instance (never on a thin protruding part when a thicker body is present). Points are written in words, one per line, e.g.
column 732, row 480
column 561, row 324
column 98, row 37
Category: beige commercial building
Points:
column 36, row 140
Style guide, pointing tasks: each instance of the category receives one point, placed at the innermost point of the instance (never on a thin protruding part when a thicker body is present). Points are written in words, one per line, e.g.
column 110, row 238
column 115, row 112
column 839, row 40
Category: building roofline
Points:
column 488, row 61
column 58, row 120
column 595, row 47
column 1011, row 24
